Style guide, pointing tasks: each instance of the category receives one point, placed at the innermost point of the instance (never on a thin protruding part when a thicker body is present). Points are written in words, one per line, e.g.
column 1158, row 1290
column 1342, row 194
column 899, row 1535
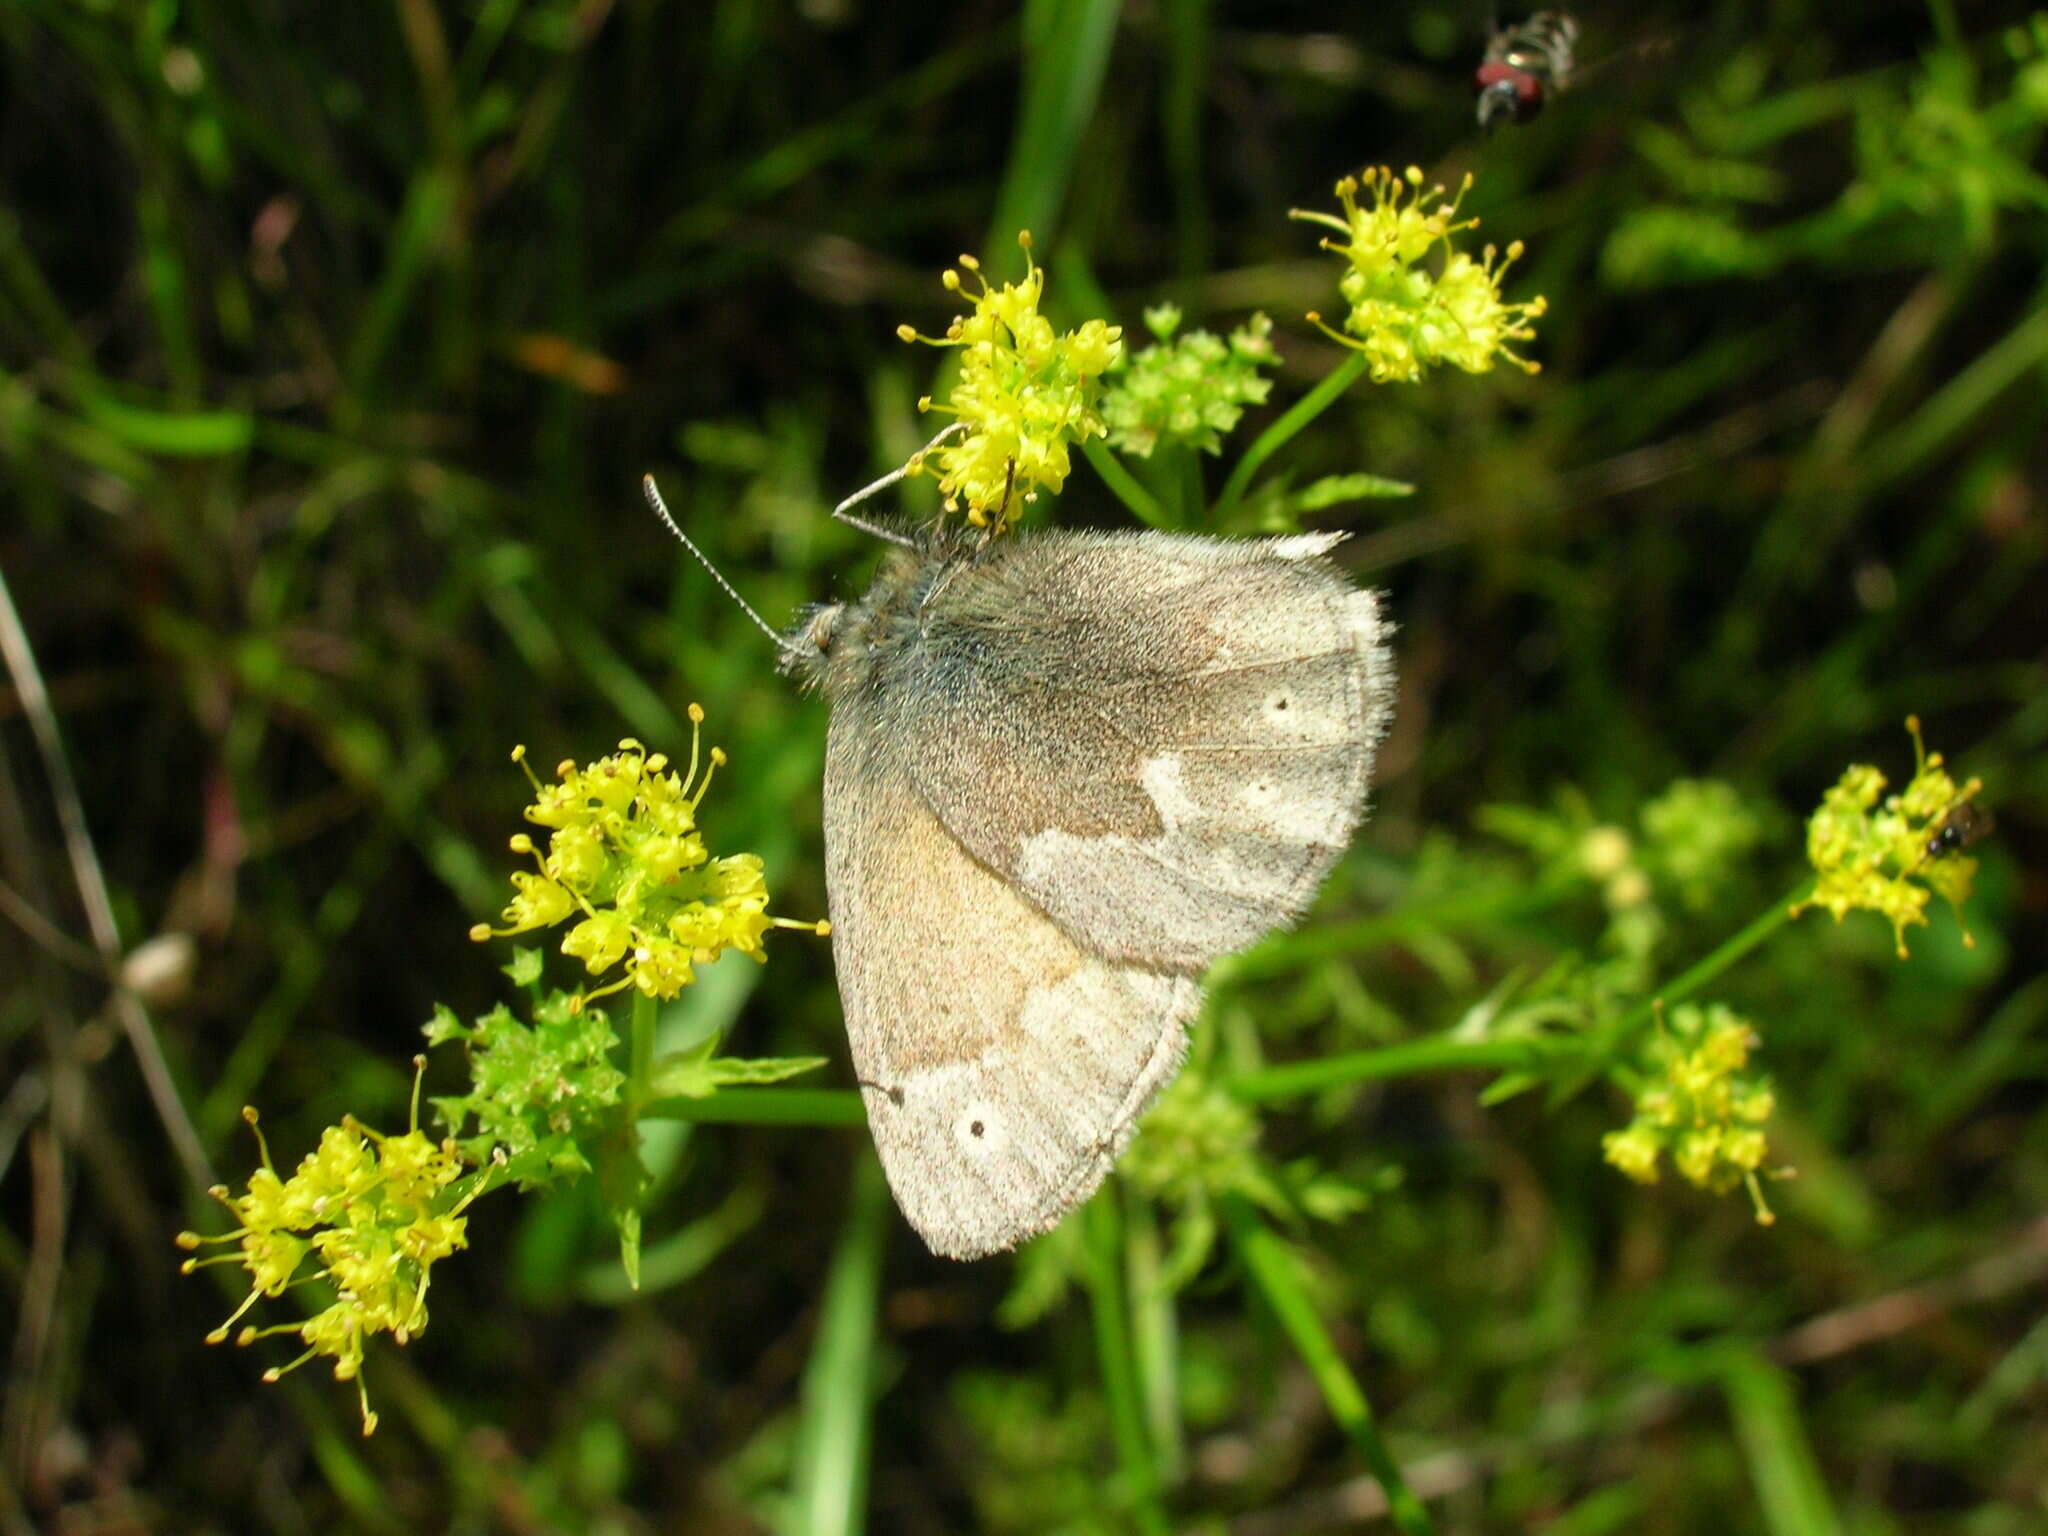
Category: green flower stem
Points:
column 1287, row 952
column 1443, row 1053
column 1188, row 472
column 640, row 1069
column 1105, row 1281
column 1275, row 437
column 1143, row 504
column 764, row 1106
column 1700, row 972
column 1271, row 1265
column 1155, row 1341
column 1437, row 1053
column 835, row 1430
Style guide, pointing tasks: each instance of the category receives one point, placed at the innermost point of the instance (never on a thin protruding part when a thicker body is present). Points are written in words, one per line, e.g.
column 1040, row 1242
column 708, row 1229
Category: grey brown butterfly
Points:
column 1065, row 772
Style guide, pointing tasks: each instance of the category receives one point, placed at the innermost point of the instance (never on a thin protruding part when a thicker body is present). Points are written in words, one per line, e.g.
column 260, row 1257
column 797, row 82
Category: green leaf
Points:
column 622, row 1181
column 1335, row 490
column 444, row 1026
column 1045, row 1272
column 696, row 1074
column 627, row 1220
column 524, row 967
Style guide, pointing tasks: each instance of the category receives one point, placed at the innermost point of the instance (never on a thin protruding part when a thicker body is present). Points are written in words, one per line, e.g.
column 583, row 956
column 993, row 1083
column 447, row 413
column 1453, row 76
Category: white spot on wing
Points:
column 1161, row 778
column 1294, row 818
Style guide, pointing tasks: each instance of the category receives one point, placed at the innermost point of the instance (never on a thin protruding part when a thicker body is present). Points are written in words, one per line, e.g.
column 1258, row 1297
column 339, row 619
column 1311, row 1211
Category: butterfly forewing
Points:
column 1163, row 742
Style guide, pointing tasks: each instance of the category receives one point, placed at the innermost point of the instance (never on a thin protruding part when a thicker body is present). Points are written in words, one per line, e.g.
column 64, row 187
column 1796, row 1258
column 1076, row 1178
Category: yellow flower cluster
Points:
column 1887, row 857
column 624, row 852
column 1025, row 393
column 1403, row 318
column 373, row 1212
column 1699, row 1107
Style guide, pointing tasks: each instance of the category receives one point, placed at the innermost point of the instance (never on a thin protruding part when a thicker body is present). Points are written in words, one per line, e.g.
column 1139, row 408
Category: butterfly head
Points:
column 810, row 647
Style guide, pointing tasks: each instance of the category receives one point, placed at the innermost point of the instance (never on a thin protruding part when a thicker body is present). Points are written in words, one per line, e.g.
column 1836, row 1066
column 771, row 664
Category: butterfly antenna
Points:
column 914, row 462
column 661, row 511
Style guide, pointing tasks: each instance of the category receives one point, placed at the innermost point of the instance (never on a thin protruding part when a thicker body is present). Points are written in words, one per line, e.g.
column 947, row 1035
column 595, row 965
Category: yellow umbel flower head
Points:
column 625, row 852
column 1404, row 318
column 373, row 1212
column 1887, row 858
column 1025, row 393
column 1700, row 1106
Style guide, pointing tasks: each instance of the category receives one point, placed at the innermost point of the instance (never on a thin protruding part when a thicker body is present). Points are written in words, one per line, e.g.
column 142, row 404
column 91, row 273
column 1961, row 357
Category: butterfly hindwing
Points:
column 1003, row 1066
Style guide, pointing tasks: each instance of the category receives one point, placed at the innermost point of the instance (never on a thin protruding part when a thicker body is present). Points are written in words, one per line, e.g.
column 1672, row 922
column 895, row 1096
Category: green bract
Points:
column 537, row 1093
column 1189, row 391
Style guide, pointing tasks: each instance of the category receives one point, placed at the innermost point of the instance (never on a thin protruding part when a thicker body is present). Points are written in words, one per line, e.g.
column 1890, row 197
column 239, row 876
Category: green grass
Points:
column 330, row 359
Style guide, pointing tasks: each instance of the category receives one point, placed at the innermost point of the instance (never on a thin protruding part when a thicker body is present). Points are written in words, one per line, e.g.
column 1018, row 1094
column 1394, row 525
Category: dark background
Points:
column 333, row 342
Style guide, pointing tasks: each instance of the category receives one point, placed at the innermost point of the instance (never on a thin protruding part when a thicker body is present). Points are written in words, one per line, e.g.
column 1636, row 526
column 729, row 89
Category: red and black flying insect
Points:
column 1525, row 65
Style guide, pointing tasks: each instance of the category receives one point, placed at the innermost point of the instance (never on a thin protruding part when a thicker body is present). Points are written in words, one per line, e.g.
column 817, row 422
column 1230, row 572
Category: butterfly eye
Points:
column 822, row 625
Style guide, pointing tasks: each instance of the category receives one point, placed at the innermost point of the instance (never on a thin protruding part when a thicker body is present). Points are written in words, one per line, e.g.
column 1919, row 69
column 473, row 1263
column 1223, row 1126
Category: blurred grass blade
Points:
column 679, row 1256
column 831, row 1476
column 163, row 279
column 1272, row 1266
column 35, row 305
column 415, row 238
column 1788, row 1480
column 175, row 434
column 1436, row 1053
column 1065, row 56
column 1951, row 410
column 358, row 1489
column 1113, row 1349
column 645, row 711
column 28, row 424
column 1186, row 34
column 765, row 1106
column 1155, row 1342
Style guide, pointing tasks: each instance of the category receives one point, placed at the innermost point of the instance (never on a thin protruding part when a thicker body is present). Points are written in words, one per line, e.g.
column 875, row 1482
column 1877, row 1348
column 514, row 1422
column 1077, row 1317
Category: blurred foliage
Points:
column 332, row 343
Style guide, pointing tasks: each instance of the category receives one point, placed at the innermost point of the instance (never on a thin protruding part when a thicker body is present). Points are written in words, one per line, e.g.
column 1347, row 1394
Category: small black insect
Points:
column 1524, row 66
column 1962, row 826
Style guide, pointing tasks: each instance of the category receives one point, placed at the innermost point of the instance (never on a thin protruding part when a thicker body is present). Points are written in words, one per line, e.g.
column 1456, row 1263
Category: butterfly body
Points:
column 1065, row 772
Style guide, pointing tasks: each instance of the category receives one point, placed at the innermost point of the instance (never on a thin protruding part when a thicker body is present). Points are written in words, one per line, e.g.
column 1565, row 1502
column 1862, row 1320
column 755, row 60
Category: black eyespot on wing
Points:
column 975, row 1129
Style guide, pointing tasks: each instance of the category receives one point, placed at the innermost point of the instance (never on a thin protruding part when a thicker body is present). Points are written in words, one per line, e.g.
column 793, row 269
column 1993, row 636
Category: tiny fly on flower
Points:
column 1962, row 826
